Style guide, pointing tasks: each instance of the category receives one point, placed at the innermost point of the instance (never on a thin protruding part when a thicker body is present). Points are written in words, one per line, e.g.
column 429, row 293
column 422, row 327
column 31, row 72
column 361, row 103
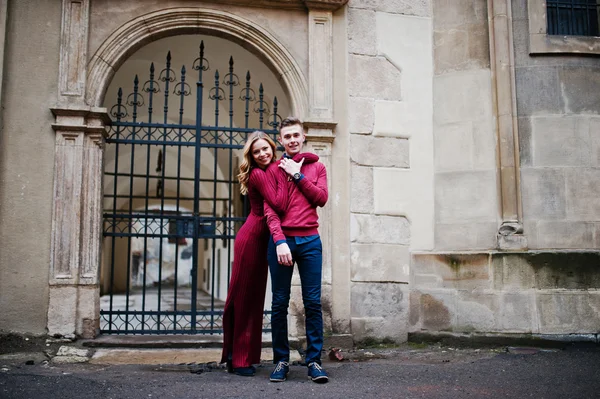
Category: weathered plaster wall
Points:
column 391, row 151
column 558, row 104
column 27, row 162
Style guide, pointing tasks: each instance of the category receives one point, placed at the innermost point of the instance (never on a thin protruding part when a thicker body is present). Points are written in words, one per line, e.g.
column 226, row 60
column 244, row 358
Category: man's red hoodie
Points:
column 300, row 218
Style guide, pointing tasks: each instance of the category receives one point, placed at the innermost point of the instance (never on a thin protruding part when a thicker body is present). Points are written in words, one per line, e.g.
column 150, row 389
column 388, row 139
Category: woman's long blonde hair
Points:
column 248, row 162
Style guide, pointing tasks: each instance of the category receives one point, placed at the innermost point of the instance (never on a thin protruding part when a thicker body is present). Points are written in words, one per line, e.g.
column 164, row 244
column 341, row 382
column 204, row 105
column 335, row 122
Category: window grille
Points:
column 573, row 17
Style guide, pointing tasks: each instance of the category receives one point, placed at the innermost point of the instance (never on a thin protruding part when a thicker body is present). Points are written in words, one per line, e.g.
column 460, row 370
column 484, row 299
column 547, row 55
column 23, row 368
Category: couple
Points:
column 281, row 230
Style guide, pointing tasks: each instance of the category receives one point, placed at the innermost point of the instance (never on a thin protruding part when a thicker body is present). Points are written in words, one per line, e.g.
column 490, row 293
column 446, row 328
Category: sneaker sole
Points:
column 277, row 380
column 319, row 380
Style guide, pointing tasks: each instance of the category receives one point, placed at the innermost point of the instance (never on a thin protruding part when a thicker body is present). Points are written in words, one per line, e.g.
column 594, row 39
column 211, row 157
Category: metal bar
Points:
column 228, row 226
column 132, row 166
column 214, row 203
column 199, row 94
column 166, row 177
column 112, row 257
column 148, row 153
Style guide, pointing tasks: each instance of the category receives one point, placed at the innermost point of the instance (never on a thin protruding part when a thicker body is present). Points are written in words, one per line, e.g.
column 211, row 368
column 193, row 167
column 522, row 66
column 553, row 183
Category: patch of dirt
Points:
column 15, row 343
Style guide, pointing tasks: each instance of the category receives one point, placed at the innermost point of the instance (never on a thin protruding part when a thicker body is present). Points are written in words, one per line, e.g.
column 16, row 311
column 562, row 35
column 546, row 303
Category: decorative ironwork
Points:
column 172, row 204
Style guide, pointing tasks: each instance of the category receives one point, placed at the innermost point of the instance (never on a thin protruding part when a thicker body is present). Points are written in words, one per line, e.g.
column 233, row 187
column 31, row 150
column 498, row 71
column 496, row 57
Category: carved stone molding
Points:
column 320, row 64
column 73, row 50
column 330, row 5
column 169, row 22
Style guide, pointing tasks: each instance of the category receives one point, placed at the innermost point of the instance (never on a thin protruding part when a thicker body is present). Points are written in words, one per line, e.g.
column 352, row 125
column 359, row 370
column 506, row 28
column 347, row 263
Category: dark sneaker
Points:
column 245, row 371
column 316, row 373
column 280, row 372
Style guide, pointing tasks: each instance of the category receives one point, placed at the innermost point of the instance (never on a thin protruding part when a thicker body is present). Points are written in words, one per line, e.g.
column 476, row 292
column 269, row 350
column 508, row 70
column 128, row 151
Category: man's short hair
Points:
column 291, row 121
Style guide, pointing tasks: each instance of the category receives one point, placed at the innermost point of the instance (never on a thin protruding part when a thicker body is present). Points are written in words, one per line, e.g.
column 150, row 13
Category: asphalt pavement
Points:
column 408, row 372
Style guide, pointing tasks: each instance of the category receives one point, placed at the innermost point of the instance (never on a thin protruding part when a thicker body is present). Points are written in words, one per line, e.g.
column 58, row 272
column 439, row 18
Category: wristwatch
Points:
column 297, row 176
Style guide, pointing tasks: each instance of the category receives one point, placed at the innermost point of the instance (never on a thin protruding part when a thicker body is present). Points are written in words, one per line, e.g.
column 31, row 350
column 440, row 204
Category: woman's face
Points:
column 262, row 153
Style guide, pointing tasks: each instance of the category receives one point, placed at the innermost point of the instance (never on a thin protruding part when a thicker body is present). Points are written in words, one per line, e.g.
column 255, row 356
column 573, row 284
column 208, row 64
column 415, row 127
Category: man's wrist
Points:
column 279, row 242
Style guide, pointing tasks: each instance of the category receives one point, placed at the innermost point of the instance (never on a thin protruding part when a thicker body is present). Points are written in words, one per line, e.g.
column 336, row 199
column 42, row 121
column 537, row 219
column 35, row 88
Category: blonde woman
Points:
column 261, row 181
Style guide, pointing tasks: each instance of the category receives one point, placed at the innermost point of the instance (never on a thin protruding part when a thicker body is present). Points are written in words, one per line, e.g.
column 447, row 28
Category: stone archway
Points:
column 77, row 214
column 143, row 29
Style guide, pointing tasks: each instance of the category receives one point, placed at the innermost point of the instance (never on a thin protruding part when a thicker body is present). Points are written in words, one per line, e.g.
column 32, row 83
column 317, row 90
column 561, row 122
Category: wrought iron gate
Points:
column 172, row 205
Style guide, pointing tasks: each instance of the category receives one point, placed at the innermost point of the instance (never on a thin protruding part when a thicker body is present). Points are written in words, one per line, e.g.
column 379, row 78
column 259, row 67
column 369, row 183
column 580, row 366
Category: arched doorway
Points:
column 181, row 108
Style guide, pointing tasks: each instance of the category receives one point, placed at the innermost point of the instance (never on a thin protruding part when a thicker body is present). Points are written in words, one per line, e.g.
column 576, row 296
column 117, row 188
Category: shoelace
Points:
column 280, row 366
column 316, row 365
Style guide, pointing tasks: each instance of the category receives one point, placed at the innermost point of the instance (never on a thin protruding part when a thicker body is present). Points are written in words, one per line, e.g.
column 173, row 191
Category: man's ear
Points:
column 279, row 139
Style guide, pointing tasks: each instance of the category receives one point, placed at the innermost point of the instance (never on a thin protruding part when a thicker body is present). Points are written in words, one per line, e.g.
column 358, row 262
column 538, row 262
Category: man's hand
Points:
column 284, row 255
column 290, row 166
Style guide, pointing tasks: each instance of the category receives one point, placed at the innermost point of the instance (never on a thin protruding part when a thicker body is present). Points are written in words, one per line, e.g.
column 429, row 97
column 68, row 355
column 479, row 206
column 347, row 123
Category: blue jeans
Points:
column 309, row 258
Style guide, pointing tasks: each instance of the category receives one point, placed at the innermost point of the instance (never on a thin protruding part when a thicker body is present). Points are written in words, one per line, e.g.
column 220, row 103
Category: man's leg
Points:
column 281, row 280
column 309, row 258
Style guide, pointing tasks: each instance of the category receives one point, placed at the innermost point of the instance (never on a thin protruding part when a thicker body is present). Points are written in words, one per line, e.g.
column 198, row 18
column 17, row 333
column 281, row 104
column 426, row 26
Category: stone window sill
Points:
column 542, row 43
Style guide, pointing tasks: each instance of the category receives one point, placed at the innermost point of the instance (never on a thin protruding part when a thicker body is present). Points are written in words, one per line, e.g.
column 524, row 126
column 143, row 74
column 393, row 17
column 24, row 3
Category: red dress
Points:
column 244, row 307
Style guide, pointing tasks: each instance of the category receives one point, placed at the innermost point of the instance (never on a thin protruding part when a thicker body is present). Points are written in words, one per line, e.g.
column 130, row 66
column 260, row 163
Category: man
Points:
column 295, row 238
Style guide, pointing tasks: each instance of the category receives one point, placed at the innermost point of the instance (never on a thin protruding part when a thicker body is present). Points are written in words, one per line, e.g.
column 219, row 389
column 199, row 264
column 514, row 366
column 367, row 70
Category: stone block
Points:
column 379, row 229
column 458, row 271
column 579, row 88
column 525, row 141
column 561, row 141
column 512, row 272
column 465, row 236
column 407, row 7
column 461, row 49
column 462, row 96
column 373, row 77
column 454, row 147
column 393, row 191
column 476, row 311
column 583, row 192
column 379, row 263
column 451, row 14
column 466, row 196
column 62, row 310
column 575, row 312
column 595, row 137
column 516, row 312
column 361, row 189
column 537, row 90
column 362, row 35
column 361, row 115
column 484, row 143
column 565, row 270
column 435, row 310
column 396, row 119
column 566, row 234
column 543, row 193
column 379, row 151
column 385, row 305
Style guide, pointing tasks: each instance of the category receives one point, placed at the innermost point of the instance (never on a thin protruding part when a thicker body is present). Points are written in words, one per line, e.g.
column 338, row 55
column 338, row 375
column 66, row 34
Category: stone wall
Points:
column 466, row 195
column 390, row 115
column 27, row 162
column 559, row 137
column 525, row 293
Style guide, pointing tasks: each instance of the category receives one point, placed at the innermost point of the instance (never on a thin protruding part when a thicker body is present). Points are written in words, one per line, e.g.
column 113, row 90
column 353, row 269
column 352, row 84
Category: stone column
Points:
column 510, row 234
column 77, row 211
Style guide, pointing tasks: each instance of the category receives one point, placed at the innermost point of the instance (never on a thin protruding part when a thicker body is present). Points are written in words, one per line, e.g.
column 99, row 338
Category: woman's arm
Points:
column 271, row 184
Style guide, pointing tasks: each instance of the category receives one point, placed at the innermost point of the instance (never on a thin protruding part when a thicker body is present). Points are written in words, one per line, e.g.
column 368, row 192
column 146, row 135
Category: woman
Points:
column 243, row 314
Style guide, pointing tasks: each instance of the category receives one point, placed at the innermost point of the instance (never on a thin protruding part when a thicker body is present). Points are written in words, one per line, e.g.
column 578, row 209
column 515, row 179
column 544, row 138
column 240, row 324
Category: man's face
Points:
column 292, row 139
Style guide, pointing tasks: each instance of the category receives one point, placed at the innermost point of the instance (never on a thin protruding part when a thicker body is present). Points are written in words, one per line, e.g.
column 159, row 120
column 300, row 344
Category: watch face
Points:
column 296, row 176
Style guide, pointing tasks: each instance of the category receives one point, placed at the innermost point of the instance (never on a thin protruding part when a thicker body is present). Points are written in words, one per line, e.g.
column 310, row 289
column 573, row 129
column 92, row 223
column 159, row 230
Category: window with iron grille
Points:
column 573, row 17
